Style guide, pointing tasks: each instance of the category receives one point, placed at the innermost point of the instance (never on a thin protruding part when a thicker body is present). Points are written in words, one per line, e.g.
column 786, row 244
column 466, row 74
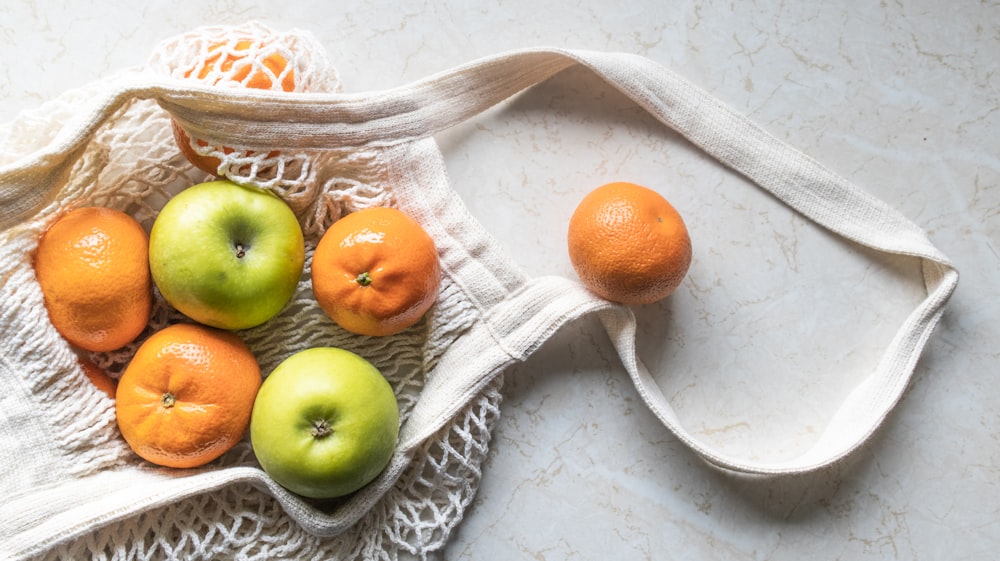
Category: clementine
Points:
column 244, row 63
column 376, row 271
column 186, row 396
column 628, row 244
column 93, row 268
column 98, row 377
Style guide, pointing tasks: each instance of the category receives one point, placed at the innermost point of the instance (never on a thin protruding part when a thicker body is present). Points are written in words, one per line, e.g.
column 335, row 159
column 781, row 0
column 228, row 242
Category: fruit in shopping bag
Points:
column 628, row 244
column 92, row 266
column 249, row 63
column 241, row 63
column 376, row 271
column 226, row 255
column 325, row 423
column 185, row 397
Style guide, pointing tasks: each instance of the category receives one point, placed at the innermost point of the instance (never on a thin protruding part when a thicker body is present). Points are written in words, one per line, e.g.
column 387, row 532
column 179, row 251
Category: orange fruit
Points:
column 185, row 397
column 376, row 271
column 93, row 268
column 237, row 66
column 99, row 377
column 628, row 244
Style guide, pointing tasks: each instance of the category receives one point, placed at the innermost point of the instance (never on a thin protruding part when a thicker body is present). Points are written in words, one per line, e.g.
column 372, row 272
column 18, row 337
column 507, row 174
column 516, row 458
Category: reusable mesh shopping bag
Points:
column 73, row 489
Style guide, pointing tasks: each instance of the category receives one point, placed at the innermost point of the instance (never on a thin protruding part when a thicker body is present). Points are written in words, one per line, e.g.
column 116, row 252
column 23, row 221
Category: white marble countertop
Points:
column 776, row 320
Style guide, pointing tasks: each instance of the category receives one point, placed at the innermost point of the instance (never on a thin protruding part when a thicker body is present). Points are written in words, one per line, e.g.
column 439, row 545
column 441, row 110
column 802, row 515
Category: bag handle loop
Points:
column 794, row 178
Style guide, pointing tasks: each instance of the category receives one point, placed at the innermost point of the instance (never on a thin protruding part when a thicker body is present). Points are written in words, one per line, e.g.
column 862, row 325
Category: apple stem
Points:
column 364, row 279
column 320, row 428
column 240, row 250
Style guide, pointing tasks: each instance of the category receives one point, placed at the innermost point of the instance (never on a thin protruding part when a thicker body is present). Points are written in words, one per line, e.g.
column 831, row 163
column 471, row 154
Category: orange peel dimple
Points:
column 376, row 271
column 628, row 244
column 92, row 265
column 186, row 396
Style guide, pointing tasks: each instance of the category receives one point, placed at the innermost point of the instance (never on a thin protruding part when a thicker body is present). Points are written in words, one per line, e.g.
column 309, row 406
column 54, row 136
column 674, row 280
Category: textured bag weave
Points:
column 73, row 488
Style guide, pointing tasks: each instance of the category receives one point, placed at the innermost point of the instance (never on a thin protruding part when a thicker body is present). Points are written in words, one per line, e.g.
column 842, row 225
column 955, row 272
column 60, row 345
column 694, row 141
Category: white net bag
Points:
column 266, row 109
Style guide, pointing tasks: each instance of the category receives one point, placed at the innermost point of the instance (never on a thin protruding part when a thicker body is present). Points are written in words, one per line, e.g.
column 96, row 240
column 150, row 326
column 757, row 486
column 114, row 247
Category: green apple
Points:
column 325, row 423
column 226, row 255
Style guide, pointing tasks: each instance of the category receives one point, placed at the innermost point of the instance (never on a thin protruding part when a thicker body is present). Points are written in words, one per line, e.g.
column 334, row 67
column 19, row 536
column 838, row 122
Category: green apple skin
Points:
column 226, row 255
column 325, row 423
